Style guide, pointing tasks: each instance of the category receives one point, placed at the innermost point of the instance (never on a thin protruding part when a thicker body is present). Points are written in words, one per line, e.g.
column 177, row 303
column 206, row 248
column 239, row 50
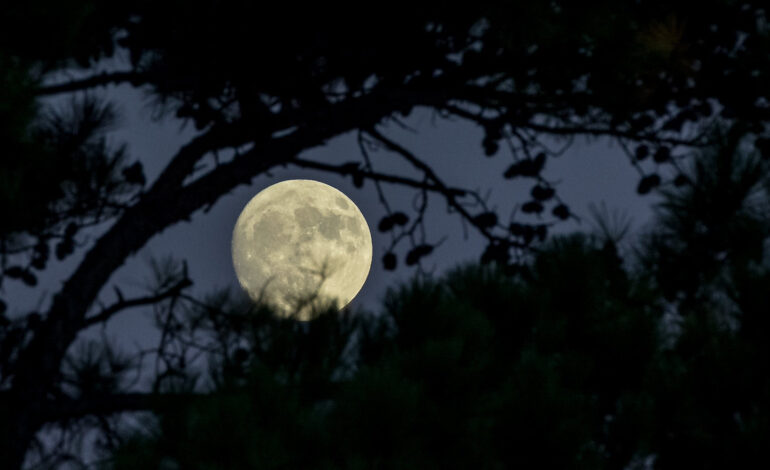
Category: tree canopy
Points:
column 591, row 356
column 680, row 85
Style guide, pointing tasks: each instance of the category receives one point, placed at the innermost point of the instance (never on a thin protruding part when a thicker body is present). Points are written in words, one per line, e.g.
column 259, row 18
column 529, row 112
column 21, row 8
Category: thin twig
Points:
column 108, row 312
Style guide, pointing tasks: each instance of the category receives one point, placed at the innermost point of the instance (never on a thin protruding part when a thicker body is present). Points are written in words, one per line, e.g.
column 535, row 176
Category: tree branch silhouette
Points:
column 443, row 189
column 123, row 304
column 107, row 78
column 572, row 130
column 376, row 176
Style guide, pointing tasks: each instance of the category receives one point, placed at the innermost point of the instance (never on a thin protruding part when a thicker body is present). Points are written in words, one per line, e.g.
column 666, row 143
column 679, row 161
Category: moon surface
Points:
column 300, row 244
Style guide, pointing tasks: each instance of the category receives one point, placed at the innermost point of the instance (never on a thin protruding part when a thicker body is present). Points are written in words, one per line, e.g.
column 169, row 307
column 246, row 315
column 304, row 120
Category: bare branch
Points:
column 442, row 188
column 573, row 130
column 375, row 176
column 122, row 304
column 578, row 130
column 102, row 79
column 370, row 167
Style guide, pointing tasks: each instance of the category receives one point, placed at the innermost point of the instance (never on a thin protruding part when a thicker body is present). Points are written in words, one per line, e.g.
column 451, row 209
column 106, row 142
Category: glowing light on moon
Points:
column 299, row 243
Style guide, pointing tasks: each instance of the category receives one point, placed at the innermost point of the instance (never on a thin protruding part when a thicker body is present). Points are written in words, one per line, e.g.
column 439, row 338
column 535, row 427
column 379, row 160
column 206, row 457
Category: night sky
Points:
column 640, row 347
column 590, row 171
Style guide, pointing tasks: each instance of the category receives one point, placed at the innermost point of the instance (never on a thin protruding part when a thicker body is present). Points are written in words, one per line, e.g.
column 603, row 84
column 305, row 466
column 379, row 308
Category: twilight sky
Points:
column 589, row 172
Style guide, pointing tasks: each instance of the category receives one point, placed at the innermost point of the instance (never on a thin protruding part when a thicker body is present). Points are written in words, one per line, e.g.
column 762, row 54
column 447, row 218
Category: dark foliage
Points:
column 573, row 364
column 585, row 357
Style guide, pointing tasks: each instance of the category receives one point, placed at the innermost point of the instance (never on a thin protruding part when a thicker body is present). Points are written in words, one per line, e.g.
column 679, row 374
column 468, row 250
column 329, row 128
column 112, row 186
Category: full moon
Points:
column 299, row 244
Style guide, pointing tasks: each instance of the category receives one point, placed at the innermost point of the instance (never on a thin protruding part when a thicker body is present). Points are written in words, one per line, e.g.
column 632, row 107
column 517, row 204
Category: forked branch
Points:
column 123, row 304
